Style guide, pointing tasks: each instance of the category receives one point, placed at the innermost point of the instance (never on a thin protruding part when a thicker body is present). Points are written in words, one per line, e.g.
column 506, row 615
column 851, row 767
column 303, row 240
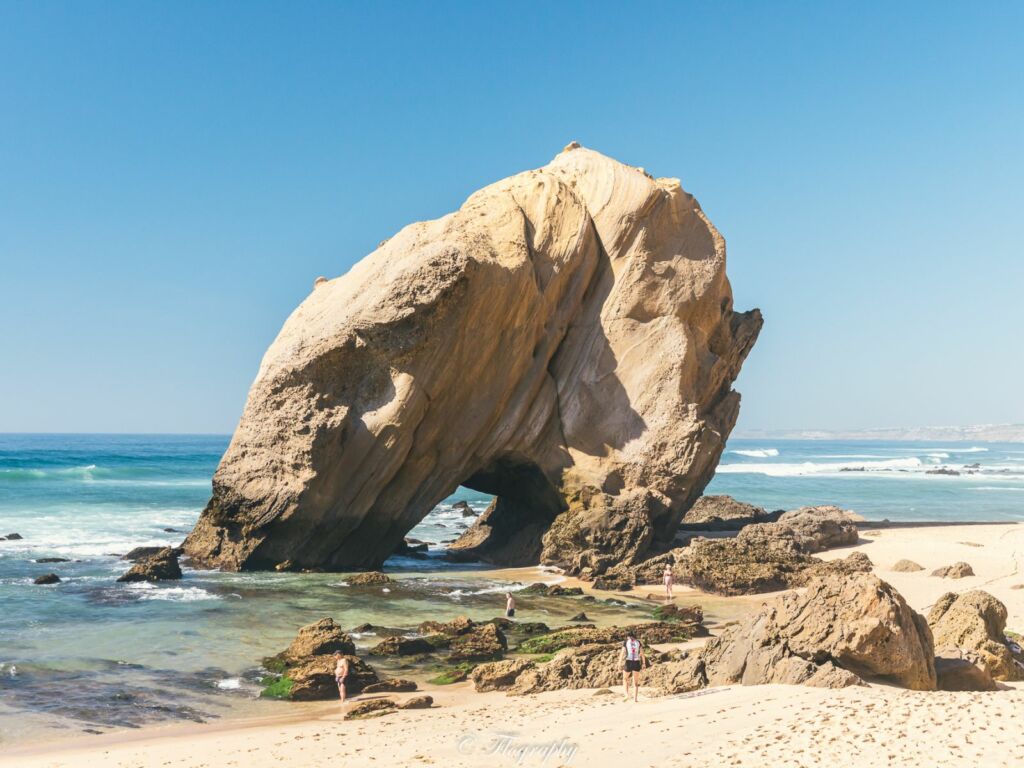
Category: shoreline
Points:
column 308, row 734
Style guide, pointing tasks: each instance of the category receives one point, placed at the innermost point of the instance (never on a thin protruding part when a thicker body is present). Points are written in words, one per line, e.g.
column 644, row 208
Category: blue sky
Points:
column 174, row 175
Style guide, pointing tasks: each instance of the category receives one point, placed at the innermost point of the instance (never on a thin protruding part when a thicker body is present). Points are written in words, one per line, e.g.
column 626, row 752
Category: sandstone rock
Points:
column 586, row 666
column 841, row 630
column 975, row 623
column 960, row 670
column 320, row 638
column 460, row 625
column 612, row 584
column 498, row 675
column 368, row 578
column 417, row 702
column 907, row 566
column 686, row 614
column 724, row 513
column 47, row 578
column 955, row 571
column 740, row 566
column 402, row 646
column 158, row 567
column 313, row 678
column 394, row 685
column 595, row 405
column 140, row 552
column 855, row 562
column 484, row 643
column 813, row 529
column 371, row 708
column 571, row 637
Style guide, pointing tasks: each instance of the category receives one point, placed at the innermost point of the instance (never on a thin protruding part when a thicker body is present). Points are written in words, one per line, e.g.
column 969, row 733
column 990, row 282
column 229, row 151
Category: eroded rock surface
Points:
column 974, row 625
column 565, row 341
column 161, row 566
column 724, row 513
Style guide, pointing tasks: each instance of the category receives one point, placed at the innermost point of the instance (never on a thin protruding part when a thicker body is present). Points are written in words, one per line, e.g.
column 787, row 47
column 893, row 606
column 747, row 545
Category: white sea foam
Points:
column 812, row 468
column 757, row 453
column 229, row 684
column 498, row 590
column 149, row 591
column 1010, row 488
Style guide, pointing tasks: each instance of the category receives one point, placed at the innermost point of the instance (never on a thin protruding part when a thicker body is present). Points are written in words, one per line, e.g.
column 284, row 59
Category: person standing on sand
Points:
column 340, row 673
column 666, row 578
column 510, row 605
column 633, row 660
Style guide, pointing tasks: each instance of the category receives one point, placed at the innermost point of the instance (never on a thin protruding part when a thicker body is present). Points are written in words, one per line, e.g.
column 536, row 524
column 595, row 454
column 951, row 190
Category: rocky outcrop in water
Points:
column 565, row 341
column 158, row 567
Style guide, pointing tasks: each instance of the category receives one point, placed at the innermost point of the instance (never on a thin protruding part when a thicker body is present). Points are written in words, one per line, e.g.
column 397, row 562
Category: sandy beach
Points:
column 765, row 725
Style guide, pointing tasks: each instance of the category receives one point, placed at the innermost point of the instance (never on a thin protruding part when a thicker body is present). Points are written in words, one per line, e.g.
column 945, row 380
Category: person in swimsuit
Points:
column 634, row 660
column 666, row 578
column 510, row 605
column 340, row 673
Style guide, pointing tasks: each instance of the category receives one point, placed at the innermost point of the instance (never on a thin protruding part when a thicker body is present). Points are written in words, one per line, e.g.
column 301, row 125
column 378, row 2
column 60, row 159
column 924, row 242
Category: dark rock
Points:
column 740, row 566
column 579, row 617
column 484, row 643
column 402, row 646
column 172, row 530
column 313, row 678
column 367, row 578
column 464, row 508
column 612, row 584
column 943, row 471
column 460, row 625
column 140, row 552
column 959, row 670
column 13, row 537
column 52, row 560
column 47, row 578
column 159, row 567
column 724, row 513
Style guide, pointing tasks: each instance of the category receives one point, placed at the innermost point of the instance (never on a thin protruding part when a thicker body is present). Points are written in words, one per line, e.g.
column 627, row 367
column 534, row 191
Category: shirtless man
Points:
column 340, row 673
column 510, row 605
column 633, row 660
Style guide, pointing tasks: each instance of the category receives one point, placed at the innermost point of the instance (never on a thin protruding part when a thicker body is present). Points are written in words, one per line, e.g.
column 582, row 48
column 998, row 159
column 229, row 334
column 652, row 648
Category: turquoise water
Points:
column 93, row 654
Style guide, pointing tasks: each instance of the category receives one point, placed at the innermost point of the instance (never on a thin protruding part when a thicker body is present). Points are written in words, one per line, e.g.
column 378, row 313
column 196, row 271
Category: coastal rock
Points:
column 368, row 578
column 579, row 617
column 140, row 552
column 417, row 702
column 855, row 562
column 13, row 537
column 650, row 633
column 464, row 508
column 402, row 646
column 313, row 678
column 586, row 666
column 840, row 630
column 975, row 623
column 371, row 708
column 740, row 566
column 960, row 670
column 52, row 560
column 460, row 625
column 159, row 567
column 612, row 584
column 394, row 685
column 813, row 529
column 47, row 578
column 724, row 513
column 958, row 570
column 320, row 638
column 498, row 675
column 483, row 643
column 594, row 406
column 907, row 566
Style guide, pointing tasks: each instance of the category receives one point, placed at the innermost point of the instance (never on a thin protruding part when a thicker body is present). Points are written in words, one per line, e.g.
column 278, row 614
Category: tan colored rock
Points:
column 417, row 702
column 840, row 629
column 907, row 566
column 813, row 529
column 498, row 675
column 960, row 670
column 740, row 566
column 313, row 678
column 975, row 623
column 368, row 578
column 485, row 642
column 958, row 570
column 724, row 513
column 565, row 341
column 321, row 637
column 363, row 710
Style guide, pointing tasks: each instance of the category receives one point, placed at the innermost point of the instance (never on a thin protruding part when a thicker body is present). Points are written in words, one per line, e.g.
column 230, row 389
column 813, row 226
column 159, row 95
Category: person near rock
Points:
column 666, row 578
column 510, row 605
column 340, row 673
column 633, row 660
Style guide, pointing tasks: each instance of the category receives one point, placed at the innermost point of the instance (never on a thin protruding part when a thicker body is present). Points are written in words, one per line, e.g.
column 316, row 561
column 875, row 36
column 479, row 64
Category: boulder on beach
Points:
column 391, row 685
column 906, row 566
column 484, row 642
column 841, row 630
column 812, row 529
column 47, row 578
column 312, row 678
column 960, row 670
column 402, row 646
column 363, row 710
column 724, row 513
column 319, row 638
column 958, row 570
column 594, row 406
column 855, row 562
column 417, row 702
column 158, row 567
column 740, row 566
column 460, row 625
column 974, row 624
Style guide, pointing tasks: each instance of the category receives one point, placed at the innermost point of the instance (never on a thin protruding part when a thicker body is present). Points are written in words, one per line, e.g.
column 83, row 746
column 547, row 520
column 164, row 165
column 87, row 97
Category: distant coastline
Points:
column 988, row 433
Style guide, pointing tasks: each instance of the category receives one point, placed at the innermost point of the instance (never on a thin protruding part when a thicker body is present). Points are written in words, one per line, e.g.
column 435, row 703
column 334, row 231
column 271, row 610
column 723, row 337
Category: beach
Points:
column 758, row 725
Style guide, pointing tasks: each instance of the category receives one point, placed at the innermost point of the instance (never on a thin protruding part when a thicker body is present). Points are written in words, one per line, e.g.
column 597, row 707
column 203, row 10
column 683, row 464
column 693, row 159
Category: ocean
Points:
column 90, row 654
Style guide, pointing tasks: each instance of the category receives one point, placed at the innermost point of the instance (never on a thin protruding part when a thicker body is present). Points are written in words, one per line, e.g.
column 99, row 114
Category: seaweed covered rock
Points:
column 159, row 567
column 594, row 406
column 653, row 632
column 742, row 565
column 368, row 578
column 312, row 678
column 484, row 642
column 842, row 630
column 974, row 624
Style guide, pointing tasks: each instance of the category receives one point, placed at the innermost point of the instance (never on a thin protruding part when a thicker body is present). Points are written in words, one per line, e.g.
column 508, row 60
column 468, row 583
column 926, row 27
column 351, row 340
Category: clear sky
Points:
column 174, row 175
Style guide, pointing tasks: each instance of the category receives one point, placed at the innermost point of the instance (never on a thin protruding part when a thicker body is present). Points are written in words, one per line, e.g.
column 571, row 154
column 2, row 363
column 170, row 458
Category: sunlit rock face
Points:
column 565, row 341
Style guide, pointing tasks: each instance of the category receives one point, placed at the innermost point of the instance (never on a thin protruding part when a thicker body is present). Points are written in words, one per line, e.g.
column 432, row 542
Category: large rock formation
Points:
column 564, row 341
column 973, row 626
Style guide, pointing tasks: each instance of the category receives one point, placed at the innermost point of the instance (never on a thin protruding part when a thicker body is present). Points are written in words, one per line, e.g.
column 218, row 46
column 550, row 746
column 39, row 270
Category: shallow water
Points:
column 92, row 654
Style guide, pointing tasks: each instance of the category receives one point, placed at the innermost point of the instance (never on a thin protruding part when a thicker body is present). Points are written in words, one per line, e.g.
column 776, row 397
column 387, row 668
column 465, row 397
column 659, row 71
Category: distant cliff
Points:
column 992, row 433
column 565, row 341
